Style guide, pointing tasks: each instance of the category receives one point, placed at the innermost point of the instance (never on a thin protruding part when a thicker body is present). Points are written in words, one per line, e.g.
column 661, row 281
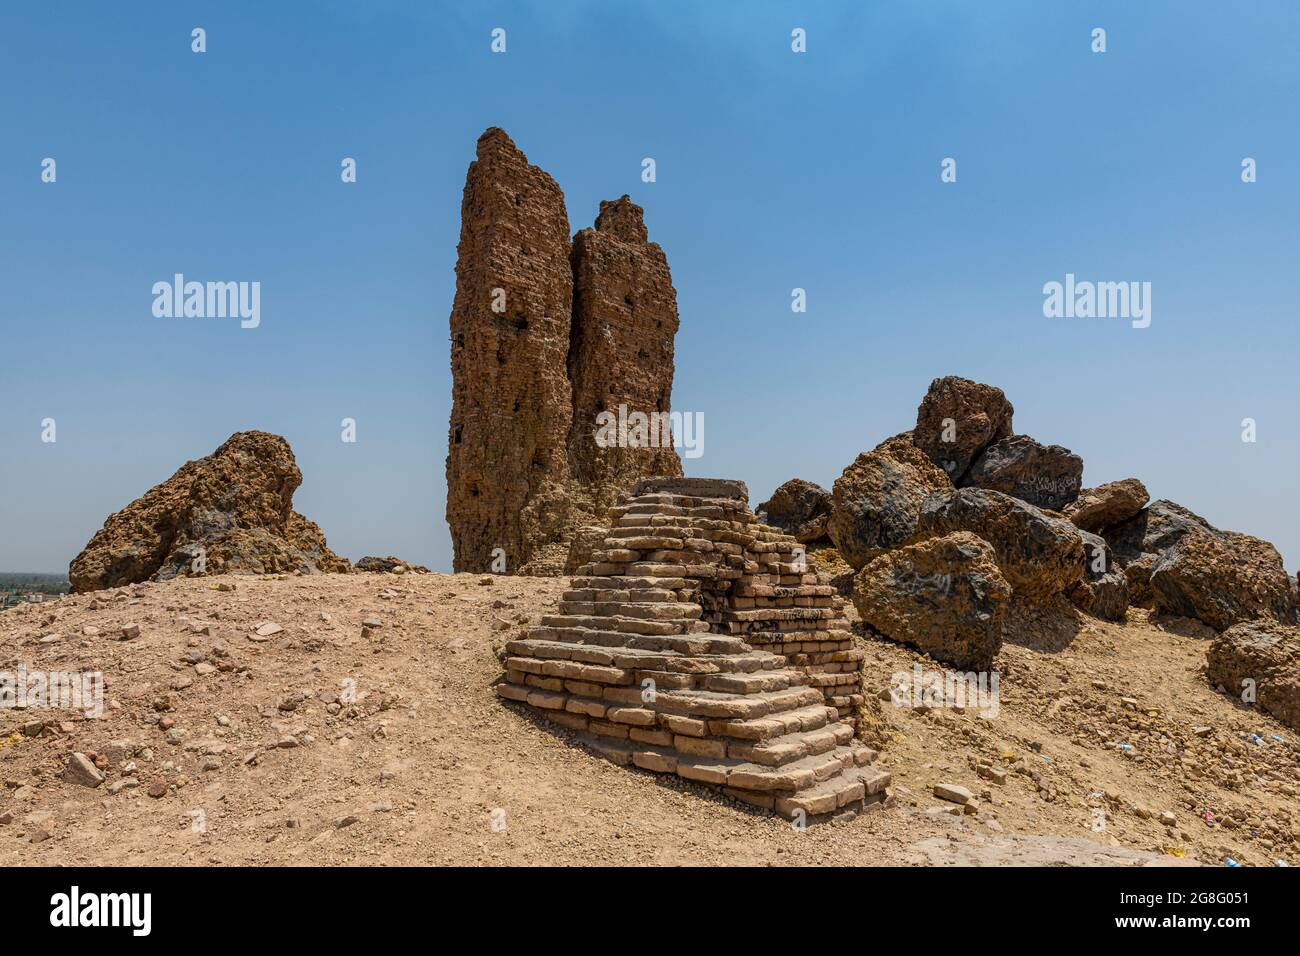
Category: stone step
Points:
column 641, row 610
column 712, row 704
column 788, row 748
column 813, row 717
column 748, row 683
column 742, row 774
column 778, row 614
column 632, row 582
column 698, row 643
column 852, row 787
column 624, row 657
column 559, row 669
column 631, row 595
column 628, row 625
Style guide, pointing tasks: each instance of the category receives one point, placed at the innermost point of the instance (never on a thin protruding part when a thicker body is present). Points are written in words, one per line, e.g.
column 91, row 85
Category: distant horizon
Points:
column 777, row 171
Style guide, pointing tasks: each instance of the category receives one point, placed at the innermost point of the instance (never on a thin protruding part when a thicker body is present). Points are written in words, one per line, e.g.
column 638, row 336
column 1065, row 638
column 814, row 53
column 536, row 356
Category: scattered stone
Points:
column 130, row 631
column 953, row 793
column 157, row 788
column 82, row 770
column 267, row 629
column 389, row 564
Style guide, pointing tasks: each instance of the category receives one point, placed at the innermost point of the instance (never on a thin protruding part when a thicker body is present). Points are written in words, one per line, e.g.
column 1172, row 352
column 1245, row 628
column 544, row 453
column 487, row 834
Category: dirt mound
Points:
column 365, row 730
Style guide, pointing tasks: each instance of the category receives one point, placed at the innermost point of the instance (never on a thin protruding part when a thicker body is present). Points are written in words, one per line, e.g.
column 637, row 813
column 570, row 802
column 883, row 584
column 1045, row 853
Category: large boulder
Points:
column 1046, row 476
column 1108, row 504
column 874, row 503
column 1263, row 657
column 1154, row 530
column 1040, row 555
column 799, row 508
column 1138, row 542
column 957, row 420
column 1222, row 580
column 1103, row 589
column 1179, row 563
column 944, row 596
column 230, row 511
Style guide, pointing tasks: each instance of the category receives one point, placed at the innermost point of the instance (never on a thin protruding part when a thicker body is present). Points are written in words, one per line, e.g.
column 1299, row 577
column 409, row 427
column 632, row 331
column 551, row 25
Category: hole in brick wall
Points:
column 516, row 408
column 521, row 323
column 642, row 354
column 473, row 492
column 455, row 434
column 501, row 357
column 460, row 340
column 627, row 300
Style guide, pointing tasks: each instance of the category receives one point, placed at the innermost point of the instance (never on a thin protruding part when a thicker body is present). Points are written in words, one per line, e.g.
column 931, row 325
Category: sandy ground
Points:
column 330, row 742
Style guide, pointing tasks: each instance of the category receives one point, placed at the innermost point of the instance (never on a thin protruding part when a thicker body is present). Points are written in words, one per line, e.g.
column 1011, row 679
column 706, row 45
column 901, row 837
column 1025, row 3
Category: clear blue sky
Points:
column 775, row 171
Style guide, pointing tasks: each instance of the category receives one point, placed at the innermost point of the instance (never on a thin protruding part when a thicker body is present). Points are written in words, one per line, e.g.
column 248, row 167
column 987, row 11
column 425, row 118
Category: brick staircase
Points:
column 697, row 642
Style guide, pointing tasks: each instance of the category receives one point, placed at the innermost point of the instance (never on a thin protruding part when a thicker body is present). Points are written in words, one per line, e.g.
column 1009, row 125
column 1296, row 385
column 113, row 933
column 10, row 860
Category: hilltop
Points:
column 361, row 726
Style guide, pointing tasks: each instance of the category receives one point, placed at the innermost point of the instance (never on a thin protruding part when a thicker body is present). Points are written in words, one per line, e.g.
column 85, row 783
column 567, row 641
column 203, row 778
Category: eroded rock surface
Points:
column 957, row 419
column 1222, row 580
column 546, row 334
column 1040, row 555
column 1046, row 476
column 507, row 467
column 1108, row 504
column 875, row 502
column 799, row 508
column 1263, row 656
column 231, row 511
column 944, row 596
column 1103, row 589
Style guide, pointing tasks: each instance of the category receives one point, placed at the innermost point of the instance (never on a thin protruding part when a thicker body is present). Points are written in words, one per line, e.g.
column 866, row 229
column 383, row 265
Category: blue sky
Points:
column 775, row 170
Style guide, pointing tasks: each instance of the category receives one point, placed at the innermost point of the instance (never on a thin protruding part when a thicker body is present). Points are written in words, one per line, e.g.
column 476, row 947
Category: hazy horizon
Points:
column 775, row 171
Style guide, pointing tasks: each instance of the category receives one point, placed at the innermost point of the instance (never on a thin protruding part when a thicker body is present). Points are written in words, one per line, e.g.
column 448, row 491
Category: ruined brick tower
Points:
column 545, row 335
